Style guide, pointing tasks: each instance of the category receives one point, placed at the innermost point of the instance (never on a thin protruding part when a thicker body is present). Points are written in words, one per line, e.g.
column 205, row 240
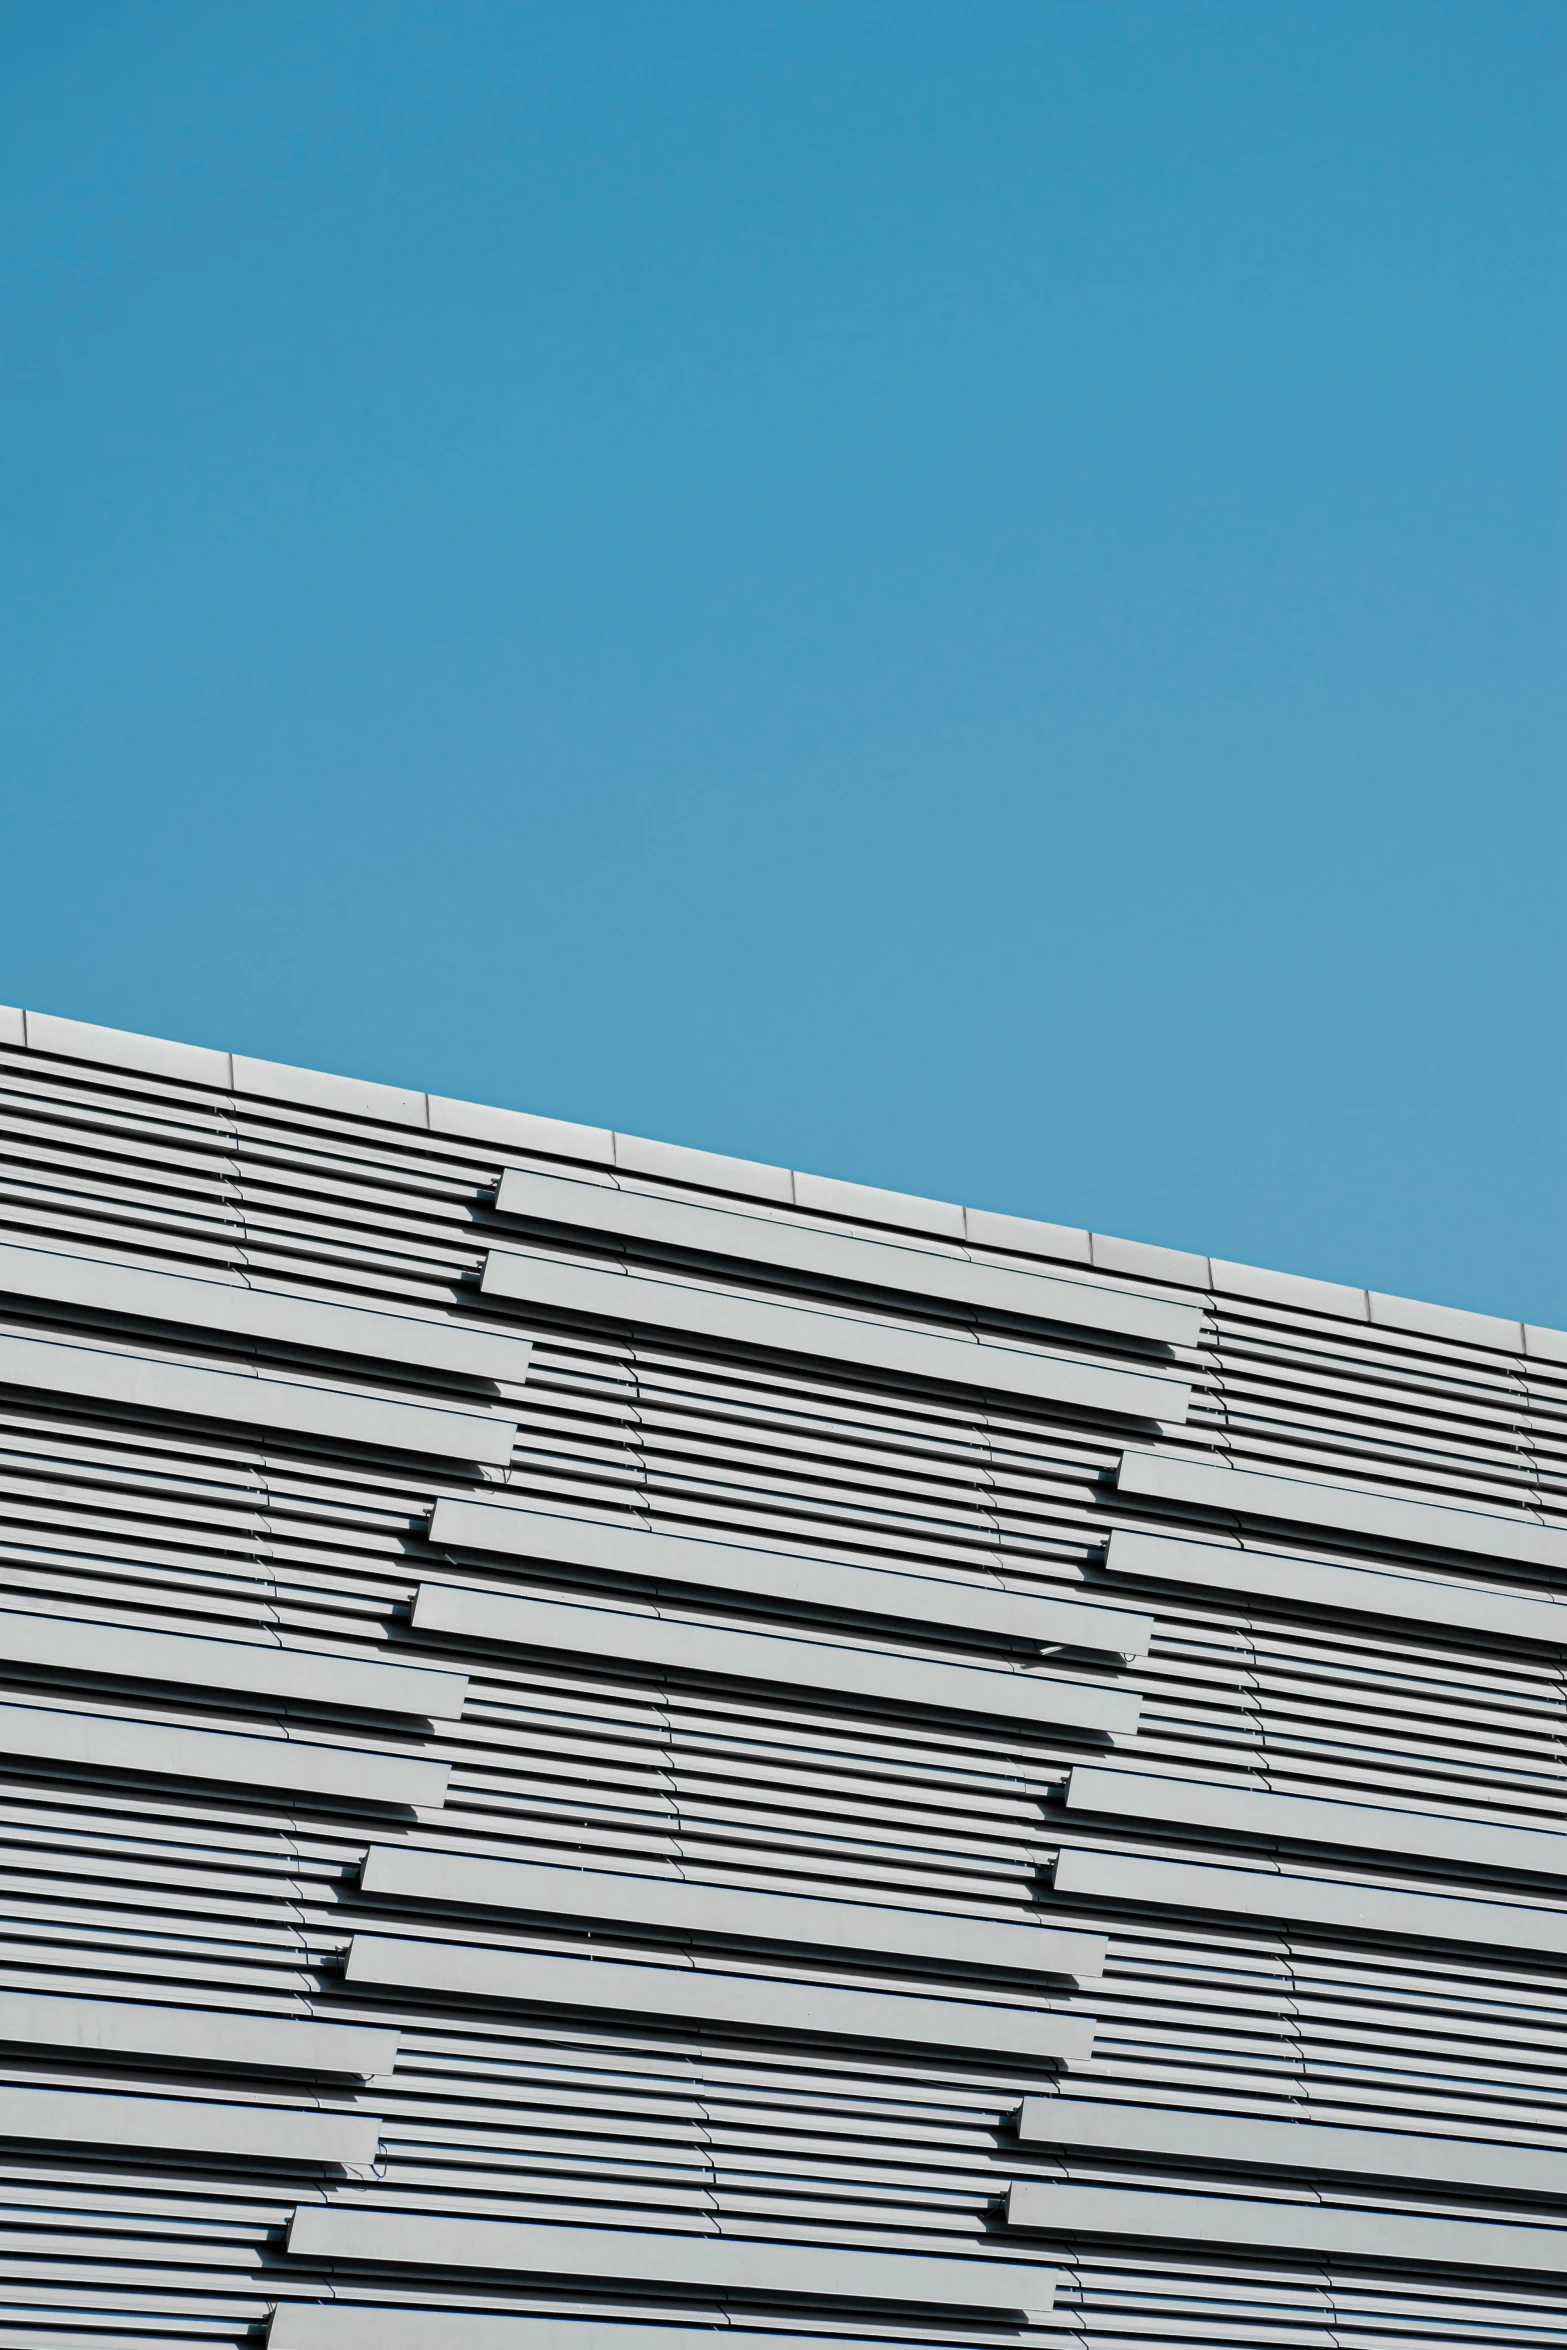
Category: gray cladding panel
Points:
column 235, row 1310
column 185, row 2126
column 834, row 1256
column 300, row 2325
column 1231, row 1893
column 1198, row 1806
column 97, row 1742
column 69, row 1644
column 719, row 2263
column 1183, row 2133
column 1242, row 1493
column 829, row 1337
column 612, row 1990
column 1310, row 1583
column 193, row 2035
column 669, row 1905
column 973, row 1607
column 1316, row 2230
column 141, row 1383
column 651, row 1641
column 702, row 1960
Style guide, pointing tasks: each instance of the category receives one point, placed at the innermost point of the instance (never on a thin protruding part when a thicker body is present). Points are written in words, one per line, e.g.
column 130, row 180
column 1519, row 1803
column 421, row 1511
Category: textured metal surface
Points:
column 1355, row 1591
column 792, row 1581
column 678, row 1906
column 831, row 1256
column 707, row 2262
column 863, row 1344
column 701, row 1939
column 647, row 1640
column 759, row 2005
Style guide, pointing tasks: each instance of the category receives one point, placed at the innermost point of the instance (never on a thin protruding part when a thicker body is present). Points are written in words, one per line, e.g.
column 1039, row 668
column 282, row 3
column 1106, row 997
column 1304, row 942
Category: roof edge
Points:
column 203, row 1066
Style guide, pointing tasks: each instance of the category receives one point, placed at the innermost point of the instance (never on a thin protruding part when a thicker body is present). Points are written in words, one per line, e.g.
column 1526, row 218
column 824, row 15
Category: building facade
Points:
column 602, row 1745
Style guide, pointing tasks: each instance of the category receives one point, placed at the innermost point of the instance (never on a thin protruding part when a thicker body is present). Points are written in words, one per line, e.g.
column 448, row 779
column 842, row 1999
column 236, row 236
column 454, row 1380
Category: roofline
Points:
column 210, row 1070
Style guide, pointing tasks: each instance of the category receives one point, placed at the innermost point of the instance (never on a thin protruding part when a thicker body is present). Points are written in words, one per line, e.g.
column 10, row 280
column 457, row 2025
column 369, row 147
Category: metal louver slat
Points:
column 1379, row 2236
column 1304, row 1819
column 1244, row 2142
column 1310, row 1583
column 99, row 1286
column 833, row 1256
column 649, row 1641
column 508, row 1531
column 194, row 2035
column 299, row 2325
column 70, row 1644
column 721, row 2263
column 185, row 2126
column 615, row 1991
column 291, row 1407
column 1301, row 1501
column 400, row 1873
column 830, row 1337
column 1311, row 1901
column 224, row 1758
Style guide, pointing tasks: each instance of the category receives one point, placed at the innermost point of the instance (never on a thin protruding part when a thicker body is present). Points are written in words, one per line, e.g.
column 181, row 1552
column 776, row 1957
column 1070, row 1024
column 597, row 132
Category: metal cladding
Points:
column 604, row 1746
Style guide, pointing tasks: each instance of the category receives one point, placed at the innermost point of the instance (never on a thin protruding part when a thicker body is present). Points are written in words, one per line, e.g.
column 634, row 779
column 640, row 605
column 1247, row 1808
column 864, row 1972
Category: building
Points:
column 601, row 1743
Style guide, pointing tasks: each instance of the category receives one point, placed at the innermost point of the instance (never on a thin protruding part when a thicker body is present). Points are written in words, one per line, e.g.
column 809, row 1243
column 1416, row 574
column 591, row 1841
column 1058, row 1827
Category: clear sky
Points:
column 968, row 596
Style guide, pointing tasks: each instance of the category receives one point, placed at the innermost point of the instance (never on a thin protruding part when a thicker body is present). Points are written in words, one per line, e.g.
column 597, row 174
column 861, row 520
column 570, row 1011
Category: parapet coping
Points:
column 668, row 1162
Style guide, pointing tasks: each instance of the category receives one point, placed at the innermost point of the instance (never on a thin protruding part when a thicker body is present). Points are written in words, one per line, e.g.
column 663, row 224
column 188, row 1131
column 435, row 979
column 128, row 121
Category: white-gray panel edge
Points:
column 144, row 1383
column 1345, row 1508
column 1198, row 1804
column 614, row 1990
column 343, row 2325
column 195, row 2035
column 188, row 2126
column 292, row 1765
column 1183, row 2132
column 74, row 1644
column 808, row 1249
column 621, row 1636
column 1310, row 2228
column 719, row 2262
column 681, row 1906
column 800, row 1330
column 234, row 1308
column 1263, row 1574
column 1082, row 1873
column 976, row 1606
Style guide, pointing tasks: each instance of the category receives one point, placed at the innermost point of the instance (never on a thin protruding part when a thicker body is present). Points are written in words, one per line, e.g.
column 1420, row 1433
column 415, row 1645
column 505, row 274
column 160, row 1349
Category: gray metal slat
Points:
column 1305, row 1502
column 611, row 1989
column 677, row 1906
column 99, row 1285
column 71, row 1644
column 1378, row 2236
column 810, row 1249
column 618, row 1635
column 715, row 2262
column 506, row 1531
column 141, row 1383
column 837, row 1338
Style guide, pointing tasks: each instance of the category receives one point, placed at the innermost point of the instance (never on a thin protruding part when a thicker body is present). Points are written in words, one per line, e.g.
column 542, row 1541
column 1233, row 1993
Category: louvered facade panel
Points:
column 600, row 1747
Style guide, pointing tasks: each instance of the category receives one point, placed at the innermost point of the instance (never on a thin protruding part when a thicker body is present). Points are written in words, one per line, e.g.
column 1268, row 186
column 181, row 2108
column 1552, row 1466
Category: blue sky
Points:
column 965, row 596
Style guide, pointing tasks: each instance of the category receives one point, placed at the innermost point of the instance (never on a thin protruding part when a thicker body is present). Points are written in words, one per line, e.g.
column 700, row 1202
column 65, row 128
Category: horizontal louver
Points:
column 673, row 1906
column 559, row 1288
column 711, row 2263
column 833, row 1256
column 647, row 1641
column 704, row 1639
column 793, row 1581
column 141, row 1383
